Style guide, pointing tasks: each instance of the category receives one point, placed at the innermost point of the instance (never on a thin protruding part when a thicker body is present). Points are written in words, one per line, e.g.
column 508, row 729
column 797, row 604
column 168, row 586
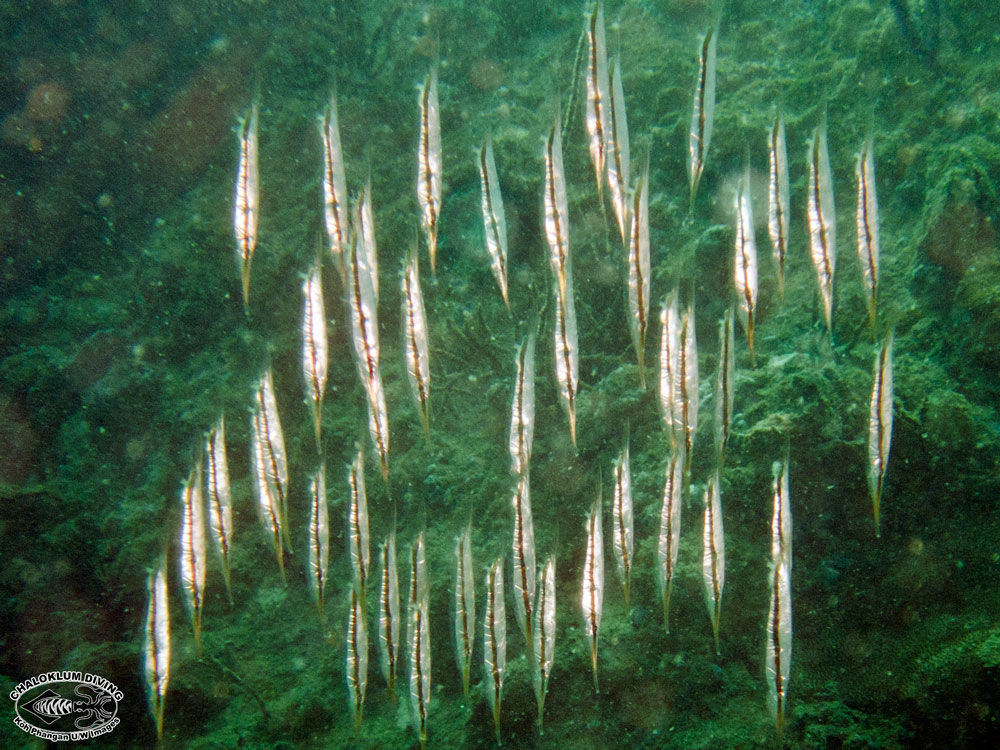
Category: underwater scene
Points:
column 576, row 375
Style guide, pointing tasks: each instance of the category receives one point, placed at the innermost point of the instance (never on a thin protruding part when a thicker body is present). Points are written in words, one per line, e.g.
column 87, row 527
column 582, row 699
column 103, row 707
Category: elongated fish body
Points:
column 867, row 221
column 364, row 231
column 418, row 571
column 362, row 304
column 267, row 405
column 598, row 98
column 703, row 111
column 156, row 645
column 220, row 496
column 724, row 386
column 669, row 539
column 315, row 347
column 495, row 640
column 781, row 515
column 638, row 271
column 388, row 614
column 822, row 220
column 777, row 197
column 378, row 423
column 745, row 262
column 270, row 464
column 494, row 221
column 567, row 355
column 193, row 551
column 523, row 552
column 336, row 214
column 670, row 360
column 357, row 657
column 593, row 583
column 465, row 606
column 621, row 513
column 880, row 426
column 417, row 350
column 357, row 526
column 522, row 410
column 617, row 150
column 544, row 632
column 318, row 536
column 778, row 649
column 556, row 210
column 246, row 205
column 418, row 580
column 420, row 662
column 429, row 163
column 686, row 385
column 713, row 560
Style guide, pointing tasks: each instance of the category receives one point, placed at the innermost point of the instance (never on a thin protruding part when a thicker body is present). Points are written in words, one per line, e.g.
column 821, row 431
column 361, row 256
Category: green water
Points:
column 124, row 337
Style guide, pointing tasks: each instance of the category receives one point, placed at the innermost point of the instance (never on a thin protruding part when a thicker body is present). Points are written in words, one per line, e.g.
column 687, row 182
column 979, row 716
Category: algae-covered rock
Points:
column 125, row 340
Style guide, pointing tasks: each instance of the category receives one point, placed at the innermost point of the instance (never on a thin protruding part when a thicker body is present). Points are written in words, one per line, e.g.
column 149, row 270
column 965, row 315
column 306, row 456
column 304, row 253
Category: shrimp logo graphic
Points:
column 62, row 706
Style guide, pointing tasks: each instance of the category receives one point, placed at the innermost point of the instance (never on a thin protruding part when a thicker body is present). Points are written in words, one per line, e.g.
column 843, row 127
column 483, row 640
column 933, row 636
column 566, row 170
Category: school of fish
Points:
column 351, row 248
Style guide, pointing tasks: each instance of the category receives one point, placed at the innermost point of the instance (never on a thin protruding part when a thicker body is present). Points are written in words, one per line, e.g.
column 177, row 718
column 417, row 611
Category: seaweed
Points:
column 926, row 47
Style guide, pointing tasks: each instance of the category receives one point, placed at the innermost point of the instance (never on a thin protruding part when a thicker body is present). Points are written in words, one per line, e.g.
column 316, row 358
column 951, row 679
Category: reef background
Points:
column 123, row 337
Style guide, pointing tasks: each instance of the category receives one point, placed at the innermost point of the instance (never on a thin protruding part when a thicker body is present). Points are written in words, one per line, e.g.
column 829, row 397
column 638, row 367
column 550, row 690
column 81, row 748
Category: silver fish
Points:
column 246, row 208
column 319, row 536
column 638, row 271
column 670, row 530
column 617, row 151
column 670, row 381
column 867, row 221
column 364, row 231
column 315, row 347
column 778, row 648
column 193, row 552
column 363, row 304
column 621, row 513
column 567, row 355
column 494, row 221
column 156, row 647
column 556, row 209
column 598, row 99
column 465, row 605
column 270, row 465
column 388, row 614
column 687, row 384
column 592, row 597
column 880, row 426
column 418, row 369
column 822, row 220
column 544, row 633
column 272, row 462
column 745, row 263
column 429, row 163
column 724, row 386
column 495, row 640
column 524, row 556
column 713, row 561
column 219, row 496
column 703, row 111
column 420, row 662
column 357, row 525
column 557, row 234
column 522, row 411
column 777, row 197
column 357, row 657
column 335, row 210
column 418, row 572
column 418, row 579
